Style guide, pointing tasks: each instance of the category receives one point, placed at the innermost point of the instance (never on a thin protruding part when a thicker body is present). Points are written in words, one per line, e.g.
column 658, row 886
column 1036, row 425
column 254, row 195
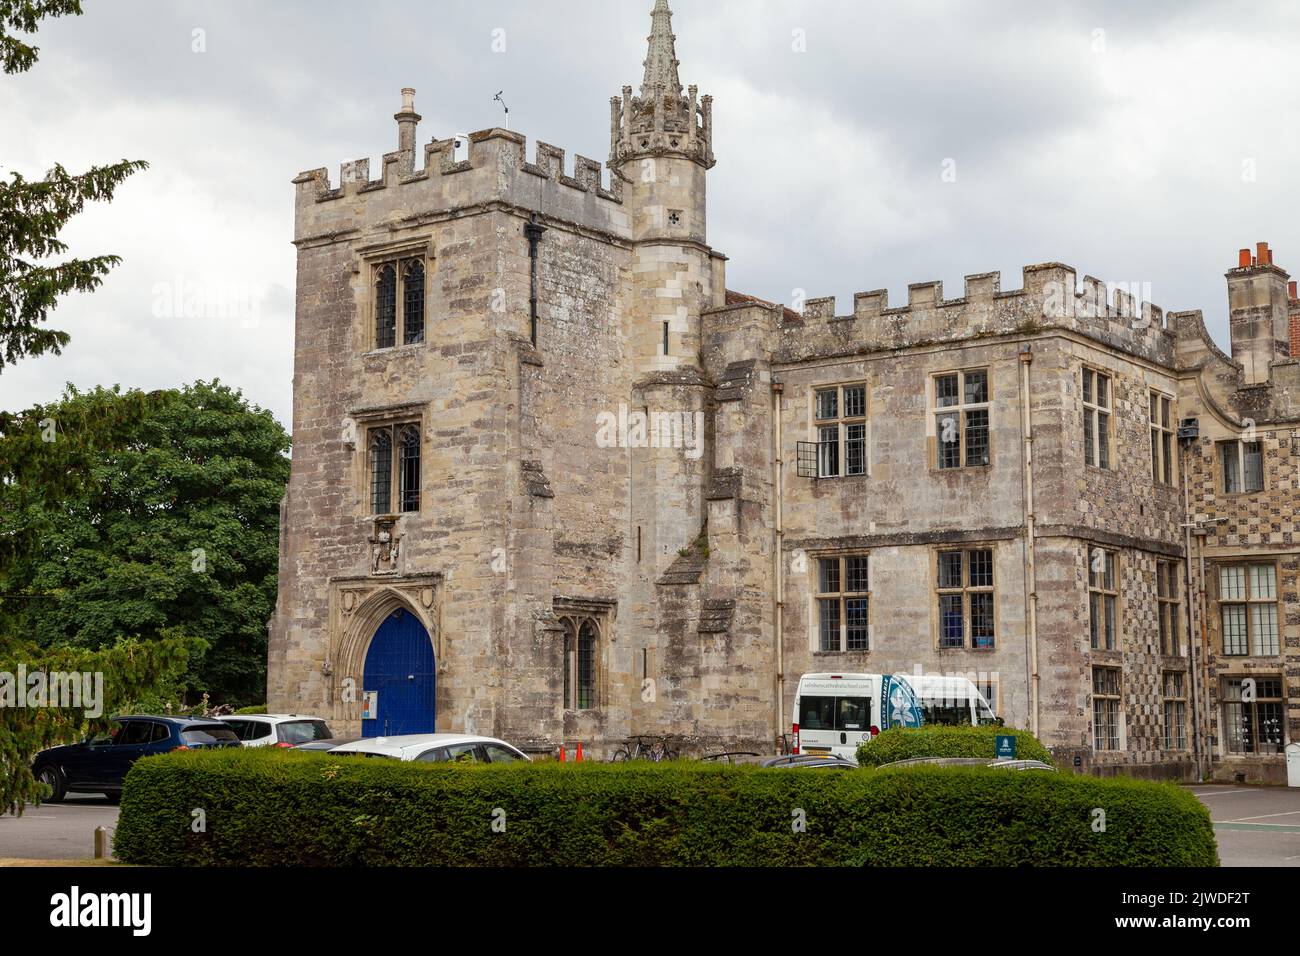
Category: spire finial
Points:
column 661, row 60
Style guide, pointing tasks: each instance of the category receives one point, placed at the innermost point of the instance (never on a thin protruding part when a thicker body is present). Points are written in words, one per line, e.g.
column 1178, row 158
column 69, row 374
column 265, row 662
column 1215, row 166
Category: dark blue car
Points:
column 99, row 763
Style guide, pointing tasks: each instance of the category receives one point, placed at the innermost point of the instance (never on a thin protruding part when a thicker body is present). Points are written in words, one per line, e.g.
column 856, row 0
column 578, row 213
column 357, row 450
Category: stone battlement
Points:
column 1051, row 296
column 492, row 148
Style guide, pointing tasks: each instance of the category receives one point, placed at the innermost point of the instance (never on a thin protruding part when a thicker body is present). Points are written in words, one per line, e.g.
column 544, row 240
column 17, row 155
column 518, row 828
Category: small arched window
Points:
column 408, row 442
column 386, row 307
column 413, row 302
column 381, row 471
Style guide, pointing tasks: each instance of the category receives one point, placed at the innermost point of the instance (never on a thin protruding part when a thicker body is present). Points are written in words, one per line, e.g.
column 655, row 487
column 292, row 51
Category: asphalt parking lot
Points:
column 1255, row 826
column 56, row 831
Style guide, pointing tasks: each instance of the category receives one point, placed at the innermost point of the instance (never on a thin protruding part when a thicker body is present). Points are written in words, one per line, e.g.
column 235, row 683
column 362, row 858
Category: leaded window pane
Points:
column 381, row 471
column 856, row 573
column 1264, row 626
column 409, row 464
column 855, row 613
column 950, row 569
column 977, row 437
column 952, row 629
column 1263, row 581
column 981, row 568
column 829, row 618
column 945, row 390
column 855, row 401
column 981, row 619
column 828, row 404
column 386, row 308
column 855, row 449
column 413, row 302
column 1232, row 583
column 1253, row 461
column 949, row 441
column 829, row 575
column 1234, row 628
column 828, row 451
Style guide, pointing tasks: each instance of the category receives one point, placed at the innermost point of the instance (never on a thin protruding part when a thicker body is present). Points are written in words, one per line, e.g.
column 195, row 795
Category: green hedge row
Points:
column 943, row 741
column 271, row 808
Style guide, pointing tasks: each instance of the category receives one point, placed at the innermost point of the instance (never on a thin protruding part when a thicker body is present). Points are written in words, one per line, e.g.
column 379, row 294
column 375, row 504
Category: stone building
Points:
column 553, row 481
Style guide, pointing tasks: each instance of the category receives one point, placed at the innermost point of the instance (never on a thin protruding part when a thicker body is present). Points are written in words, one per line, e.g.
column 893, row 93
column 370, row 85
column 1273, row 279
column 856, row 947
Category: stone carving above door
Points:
column 385, row 547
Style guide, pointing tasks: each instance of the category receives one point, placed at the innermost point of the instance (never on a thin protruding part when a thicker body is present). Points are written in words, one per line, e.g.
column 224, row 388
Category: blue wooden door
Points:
column 400, row 668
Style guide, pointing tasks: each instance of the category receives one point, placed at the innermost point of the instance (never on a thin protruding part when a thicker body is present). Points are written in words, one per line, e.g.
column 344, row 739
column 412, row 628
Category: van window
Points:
column 818, row 713
column 945, row 710
column 853, row 713
column 835, row 713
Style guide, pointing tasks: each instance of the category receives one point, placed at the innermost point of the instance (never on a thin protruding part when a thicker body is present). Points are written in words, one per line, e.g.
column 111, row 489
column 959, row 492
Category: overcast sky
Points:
column 1140, row 143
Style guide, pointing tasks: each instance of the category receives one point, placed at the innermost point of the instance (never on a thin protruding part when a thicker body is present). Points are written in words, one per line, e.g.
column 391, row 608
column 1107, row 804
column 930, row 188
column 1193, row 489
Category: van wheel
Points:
column 52, row 778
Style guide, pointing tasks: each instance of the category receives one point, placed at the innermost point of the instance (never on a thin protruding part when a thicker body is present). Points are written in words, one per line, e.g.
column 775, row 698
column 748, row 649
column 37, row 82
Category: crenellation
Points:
column 819, row 308
column 868, row 305
column 488, row 148
column 983, row 287
column 924, row 295
column 1049, row 299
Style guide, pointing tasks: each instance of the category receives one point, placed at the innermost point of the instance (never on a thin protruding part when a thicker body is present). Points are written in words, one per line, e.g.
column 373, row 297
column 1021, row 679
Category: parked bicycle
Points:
column 644, row 747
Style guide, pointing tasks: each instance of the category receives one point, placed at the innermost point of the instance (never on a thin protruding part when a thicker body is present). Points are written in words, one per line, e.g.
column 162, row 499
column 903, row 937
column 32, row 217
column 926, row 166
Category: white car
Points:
column 277, row 730
column 434, row 748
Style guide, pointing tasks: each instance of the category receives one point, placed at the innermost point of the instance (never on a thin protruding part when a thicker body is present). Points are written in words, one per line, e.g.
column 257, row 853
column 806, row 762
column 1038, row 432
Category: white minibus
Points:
column 833, row 713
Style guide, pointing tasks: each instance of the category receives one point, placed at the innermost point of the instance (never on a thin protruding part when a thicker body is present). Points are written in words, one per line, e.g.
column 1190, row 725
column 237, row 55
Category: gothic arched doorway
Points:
column 399, row 671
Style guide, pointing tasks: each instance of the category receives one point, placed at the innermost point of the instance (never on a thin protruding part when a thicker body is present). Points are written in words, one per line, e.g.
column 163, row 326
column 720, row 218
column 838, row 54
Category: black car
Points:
column 99, row 763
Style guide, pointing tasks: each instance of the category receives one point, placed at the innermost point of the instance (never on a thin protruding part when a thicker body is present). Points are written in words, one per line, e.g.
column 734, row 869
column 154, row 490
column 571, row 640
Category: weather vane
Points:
column 503, row 106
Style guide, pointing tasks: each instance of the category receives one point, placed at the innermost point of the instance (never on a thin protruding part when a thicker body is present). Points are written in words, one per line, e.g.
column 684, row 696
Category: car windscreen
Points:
column 302, row 731
column 835, row 713
column 205, row 735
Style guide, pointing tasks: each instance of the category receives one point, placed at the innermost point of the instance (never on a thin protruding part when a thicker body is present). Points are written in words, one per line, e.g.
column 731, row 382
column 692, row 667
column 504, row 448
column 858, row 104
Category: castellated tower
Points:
column 661, row 147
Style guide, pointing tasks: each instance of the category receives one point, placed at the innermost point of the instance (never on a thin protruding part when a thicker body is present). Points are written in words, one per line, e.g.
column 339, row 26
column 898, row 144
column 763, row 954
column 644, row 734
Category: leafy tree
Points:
column 125, row 513
column 33, row 212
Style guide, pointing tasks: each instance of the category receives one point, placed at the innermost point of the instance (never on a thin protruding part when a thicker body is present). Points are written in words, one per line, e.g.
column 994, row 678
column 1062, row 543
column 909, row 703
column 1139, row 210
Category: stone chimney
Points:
column 407, row 120
column 1259, row 319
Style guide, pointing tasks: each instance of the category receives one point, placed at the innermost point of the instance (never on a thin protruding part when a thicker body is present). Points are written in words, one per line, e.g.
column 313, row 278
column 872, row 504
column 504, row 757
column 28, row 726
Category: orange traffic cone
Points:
column 562, row 757
column 579, row 751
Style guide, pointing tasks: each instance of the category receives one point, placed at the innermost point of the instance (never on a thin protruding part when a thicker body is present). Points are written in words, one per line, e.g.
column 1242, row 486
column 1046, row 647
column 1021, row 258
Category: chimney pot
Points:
column 1290, row 290
column 408, row 98
column 1243, row 258
column 1261, row 253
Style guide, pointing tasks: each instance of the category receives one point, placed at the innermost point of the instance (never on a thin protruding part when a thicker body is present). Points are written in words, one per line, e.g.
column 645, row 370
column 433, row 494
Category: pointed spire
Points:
column 661, row 60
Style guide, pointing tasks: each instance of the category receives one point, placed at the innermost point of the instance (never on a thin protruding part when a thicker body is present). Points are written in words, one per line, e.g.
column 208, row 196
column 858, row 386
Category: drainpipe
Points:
column 1031, row 575
column 533, row 233
column 778, row 559
column 1197, row 754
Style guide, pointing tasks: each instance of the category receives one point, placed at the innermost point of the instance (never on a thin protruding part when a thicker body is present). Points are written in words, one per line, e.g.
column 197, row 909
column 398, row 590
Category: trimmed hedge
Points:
column 943, row 741
column 273, row 808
